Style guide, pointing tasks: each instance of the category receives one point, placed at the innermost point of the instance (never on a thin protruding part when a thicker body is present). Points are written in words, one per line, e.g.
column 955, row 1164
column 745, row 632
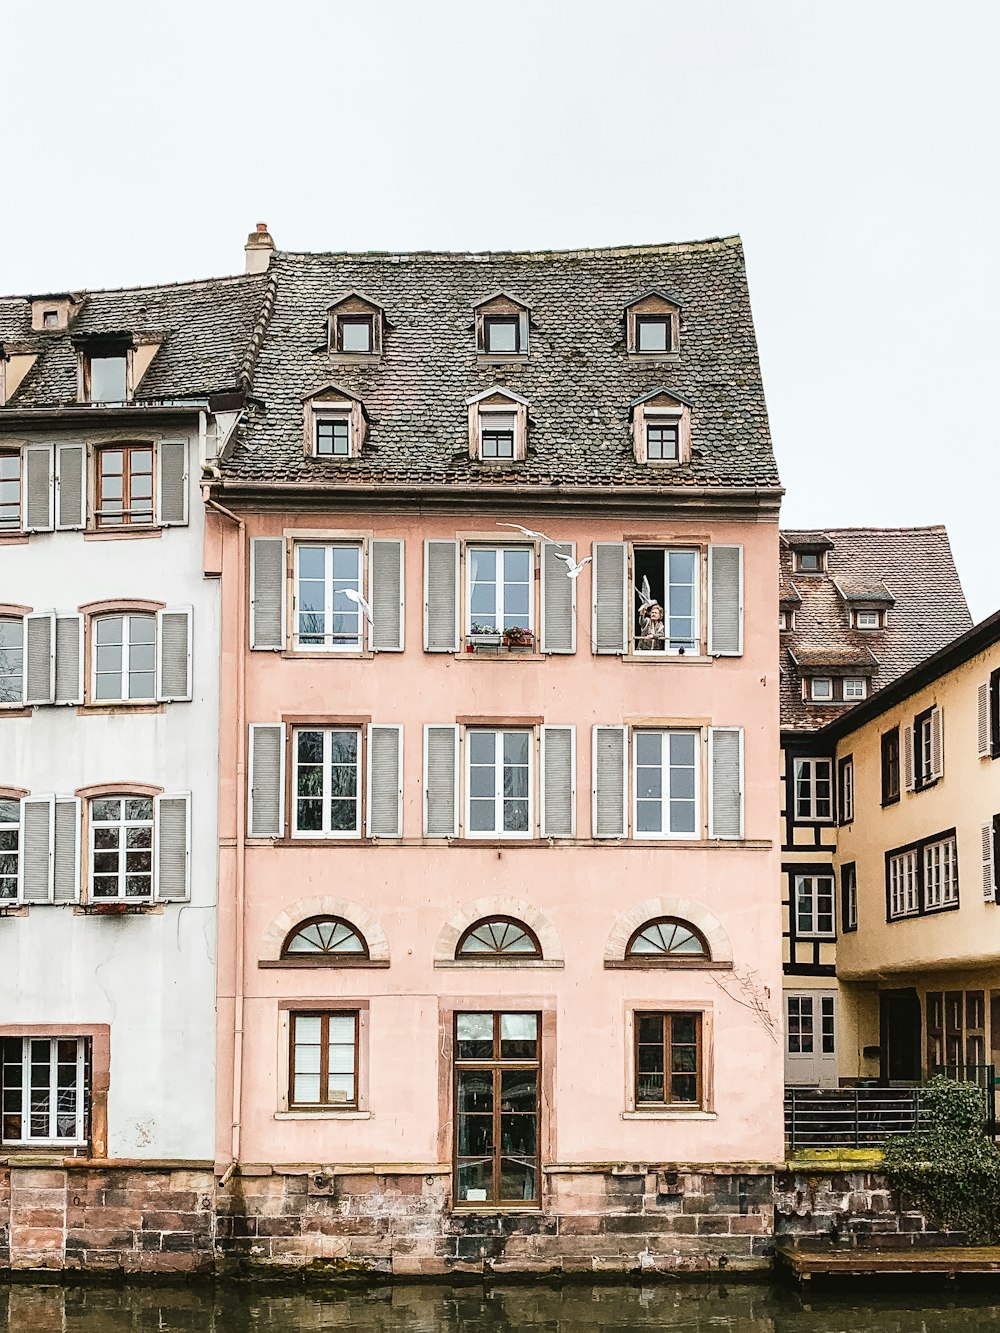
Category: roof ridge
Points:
column 191, row 283
column 918, row 527
column 249, row 362
column 733, row 241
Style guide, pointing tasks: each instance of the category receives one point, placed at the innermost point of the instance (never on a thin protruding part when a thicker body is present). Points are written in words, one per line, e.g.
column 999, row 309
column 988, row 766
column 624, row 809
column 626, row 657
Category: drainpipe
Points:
column 240, row 914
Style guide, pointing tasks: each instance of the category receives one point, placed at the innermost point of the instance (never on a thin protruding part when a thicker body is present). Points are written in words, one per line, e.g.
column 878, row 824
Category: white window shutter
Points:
column 441, row 781
column 40, row 657
column 69, row 659
column 38, row 487
column 441, row 599
column 266, row 795
column 385, row 782
column 610, row 597
column 725, row 791
column 983, row 715
column 558, row 795
column 172, row 494
column 937, row 743
column 558, row 599
column 172, row 847
column 173, row 653
column 725, row 601
column 37, row 815
column 66, row 850
column 71, row 486
column 908, row 773
column 989, row 868
column 267, row 593
column 386, row 595
column 610, row 785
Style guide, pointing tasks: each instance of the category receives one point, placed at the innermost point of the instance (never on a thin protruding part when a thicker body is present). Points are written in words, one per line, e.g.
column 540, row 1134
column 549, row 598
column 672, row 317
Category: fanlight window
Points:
column 667, row 940
column 498, row 937
column 325, row 935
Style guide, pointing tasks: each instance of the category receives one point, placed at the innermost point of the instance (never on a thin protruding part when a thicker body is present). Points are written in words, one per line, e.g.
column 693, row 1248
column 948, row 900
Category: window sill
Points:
column 121, row 534
column 668, row 1113
column 16, row 710
column 655, row 358
column 496, row 964
column 495, row 1209
column 501, row 358
column 685, row 659
column 324, row 960
column 110, row 709
column 326, row 654
column 13, row 539
column 501, row 654
column 325, row 1114
column 668, row 965
column 112, row 907
column 353, row 358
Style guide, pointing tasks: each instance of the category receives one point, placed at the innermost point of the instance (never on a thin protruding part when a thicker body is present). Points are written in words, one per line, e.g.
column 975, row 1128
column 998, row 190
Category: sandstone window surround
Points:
column 502, row 325
column 495, row 913
column 498, row 426
column 653, row 327
column 332, row 916
column 654, row 919
column 335, row 424
column 355, row 328
column 661, row 427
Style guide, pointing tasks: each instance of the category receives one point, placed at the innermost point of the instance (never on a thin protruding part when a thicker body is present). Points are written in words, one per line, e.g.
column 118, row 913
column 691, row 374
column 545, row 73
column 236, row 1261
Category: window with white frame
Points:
column 327, row 782
column 849, row 896
column 923, row 749
column 11, row 659
column 813, row 797
column 496, row 434
column 868, row 620
column 501, row 588
column 904, row 889
column 10, row 490
column 846, row 793
column 940, row 874
column 821, row 689
column 786, row 620
column 666, row 600
column 814, row 907
column 44, row 1090
column 855, row 687
column 124, row 657
column 499, row 783
column 665, row 784
column 10, row 847
column 333, row 436
column 327, row 616
column 121, row 848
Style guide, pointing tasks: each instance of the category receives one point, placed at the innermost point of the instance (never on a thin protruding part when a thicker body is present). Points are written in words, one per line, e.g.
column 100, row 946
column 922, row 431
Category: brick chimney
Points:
column 259, row 248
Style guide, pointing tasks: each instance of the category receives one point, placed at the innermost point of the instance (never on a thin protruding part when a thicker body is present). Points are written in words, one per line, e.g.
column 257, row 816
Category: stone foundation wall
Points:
column 846, row 1204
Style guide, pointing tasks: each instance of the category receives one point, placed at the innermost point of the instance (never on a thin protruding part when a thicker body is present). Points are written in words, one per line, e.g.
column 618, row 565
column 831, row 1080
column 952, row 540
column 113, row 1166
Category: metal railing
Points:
column 985, row 1077
column 848, row 1117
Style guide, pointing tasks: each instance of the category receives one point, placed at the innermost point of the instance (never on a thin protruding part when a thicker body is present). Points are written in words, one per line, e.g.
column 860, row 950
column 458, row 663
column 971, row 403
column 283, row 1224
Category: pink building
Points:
column 500, row 940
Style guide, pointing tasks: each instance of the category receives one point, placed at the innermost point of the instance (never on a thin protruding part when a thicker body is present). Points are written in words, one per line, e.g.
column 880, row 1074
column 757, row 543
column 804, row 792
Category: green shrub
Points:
column 948, row 1167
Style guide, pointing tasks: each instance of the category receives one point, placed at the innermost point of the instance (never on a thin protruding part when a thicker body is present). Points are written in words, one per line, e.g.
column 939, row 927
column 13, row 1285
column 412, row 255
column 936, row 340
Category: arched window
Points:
column 667, row 940
column 325, row 936
column 498, row 937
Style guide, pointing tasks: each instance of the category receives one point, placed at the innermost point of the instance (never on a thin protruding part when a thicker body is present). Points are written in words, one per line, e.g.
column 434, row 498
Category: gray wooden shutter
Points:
column 40, row 657
column 385, row 782
column 71, row 488
column 610, row 613
column 725, row 795
column 385, row 594
column 267, row 592
column 989, row 870
column 558, row 782
column 69, row 660
column 937, row 743
column 266, row 798
column 610, row 755
column 38, row 488
column 558, row 600
column 725, row 601
column 441, row 599
column 441, row 781
column 172, row 496
column 172, row 863
column 173, row 653
column 36, row 848
column 66, row 850
column 908, row 774
column 983, row 713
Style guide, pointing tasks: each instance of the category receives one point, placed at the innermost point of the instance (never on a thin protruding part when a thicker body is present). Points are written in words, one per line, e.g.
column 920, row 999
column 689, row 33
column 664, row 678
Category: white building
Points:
column 109, row 658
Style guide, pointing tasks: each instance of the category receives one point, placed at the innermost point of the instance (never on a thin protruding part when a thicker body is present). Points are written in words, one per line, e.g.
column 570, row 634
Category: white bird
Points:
column 535, row 536
column 644, row 595
column 573, row 570
column 360, row 601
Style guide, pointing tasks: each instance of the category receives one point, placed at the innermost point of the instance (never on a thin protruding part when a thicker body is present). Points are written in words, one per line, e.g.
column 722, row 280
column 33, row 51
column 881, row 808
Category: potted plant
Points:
column 109, row 908
column 483, row 636
column 518, row 637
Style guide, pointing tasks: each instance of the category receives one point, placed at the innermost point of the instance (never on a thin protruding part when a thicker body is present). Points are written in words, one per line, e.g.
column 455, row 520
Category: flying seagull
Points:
column 360, row 601
column 535, row 536
column 573, row 570
column 644, row 595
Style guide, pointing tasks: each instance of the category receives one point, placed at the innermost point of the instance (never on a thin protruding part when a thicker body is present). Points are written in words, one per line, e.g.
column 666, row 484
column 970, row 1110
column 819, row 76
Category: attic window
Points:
column 662, row 439
column 868, row 620
column 496, row 434
column 333, row 436
column 502, row 326
column 653, row 333
column 107, row 379
column 498, row 426
column 334, row 424
column 653, row 325
column 786, row 620
column 355, row 333
column 501, row 333
column 810, row 562
column 355, row 326
column 661, row 428
column 50, row 319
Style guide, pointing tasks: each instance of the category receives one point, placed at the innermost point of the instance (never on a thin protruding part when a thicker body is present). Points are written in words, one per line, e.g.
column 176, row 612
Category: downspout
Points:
column 240, row 914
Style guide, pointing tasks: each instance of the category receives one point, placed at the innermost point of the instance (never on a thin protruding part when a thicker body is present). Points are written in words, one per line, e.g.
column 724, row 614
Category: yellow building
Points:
column 916, row 867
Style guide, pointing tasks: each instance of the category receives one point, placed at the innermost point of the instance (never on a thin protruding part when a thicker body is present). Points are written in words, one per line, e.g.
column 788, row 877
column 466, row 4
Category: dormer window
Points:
column 786, row 620
column 334, row 423
column 810, row 562
column 50, row 319
column 105, row 369
column 502, row 326
column 498, row 426
column 354, row 333
column 653, row 322
column 868, row 620
column 54, row 312
column 355, row 326
column 661, row 428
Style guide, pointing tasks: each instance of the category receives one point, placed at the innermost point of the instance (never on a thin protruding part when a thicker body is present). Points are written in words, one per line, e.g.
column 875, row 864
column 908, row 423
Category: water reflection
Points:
column 437, row 1308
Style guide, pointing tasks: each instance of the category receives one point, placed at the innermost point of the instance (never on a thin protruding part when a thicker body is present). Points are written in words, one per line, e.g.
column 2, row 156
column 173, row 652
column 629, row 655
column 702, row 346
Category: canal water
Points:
column 434, row 1308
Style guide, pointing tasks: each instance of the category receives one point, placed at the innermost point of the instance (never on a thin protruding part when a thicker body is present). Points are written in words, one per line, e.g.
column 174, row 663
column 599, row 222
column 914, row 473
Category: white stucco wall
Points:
column 151, row 977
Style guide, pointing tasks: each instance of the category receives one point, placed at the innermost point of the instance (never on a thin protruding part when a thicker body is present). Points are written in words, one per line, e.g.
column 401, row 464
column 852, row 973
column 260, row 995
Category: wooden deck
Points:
column 804, row 1262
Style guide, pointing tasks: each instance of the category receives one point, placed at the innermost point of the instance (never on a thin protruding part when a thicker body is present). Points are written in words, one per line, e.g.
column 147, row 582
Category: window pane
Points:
column 501, row 335
column 107, row 379
column 355, row 335
column 653, row 335
column 474, row 1036
column 518, row 1036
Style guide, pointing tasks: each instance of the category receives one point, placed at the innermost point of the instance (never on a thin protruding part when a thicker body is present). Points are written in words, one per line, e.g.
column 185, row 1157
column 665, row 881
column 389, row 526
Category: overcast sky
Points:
column 853, row 145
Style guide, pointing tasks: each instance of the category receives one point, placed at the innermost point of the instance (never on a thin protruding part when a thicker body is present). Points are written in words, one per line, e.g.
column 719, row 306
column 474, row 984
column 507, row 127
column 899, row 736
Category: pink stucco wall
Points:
column 412, row 888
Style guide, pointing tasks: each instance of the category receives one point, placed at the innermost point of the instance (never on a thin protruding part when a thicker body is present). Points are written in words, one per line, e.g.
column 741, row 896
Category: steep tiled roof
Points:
column 917, row 570
column 207, row 330
column 578, row 380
